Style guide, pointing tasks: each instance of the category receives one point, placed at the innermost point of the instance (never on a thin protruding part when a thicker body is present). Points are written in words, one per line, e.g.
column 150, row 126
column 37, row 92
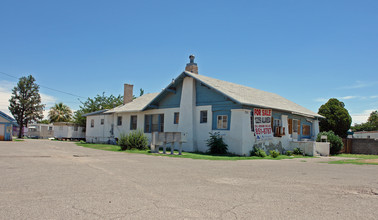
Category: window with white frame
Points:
column 133, row 122
column 296, row 126
column 119, row 120
column 276, row 126
column 92, row 124
column 176, row 117
column 203, row 116
column 252, row 122
column 222, row 122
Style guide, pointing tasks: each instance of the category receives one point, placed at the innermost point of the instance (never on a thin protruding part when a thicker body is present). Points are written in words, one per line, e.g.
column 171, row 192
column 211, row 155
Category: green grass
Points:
column 197, row 155
column 359, row 159
column 18, row 140
column 361, row 156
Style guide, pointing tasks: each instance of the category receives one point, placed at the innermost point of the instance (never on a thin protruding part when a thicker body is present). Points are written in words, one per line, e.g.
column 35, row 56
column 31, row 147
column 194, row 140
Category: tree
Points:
column 25, row 102
column 60, row 113
column 370, row 125
column 373, row 119
column 337, row 118
column 100, row 102
column 97, row 103
column 44, row 121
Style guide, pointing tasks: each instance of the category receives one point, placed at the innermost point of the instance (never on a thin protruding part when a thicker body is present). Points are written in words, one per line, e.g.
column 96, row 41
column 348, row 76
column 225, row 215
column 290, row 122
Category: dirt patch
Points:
column 369, row 161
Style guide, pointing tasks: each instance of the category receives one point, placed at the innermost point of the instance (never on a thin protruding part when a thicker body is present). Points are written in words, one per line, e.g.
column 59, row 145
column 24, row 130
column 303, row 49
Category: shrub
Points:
column 258, row 152
column 134, row 140
column 274, row 153
column 297, row 151
column 216, row 144
column 289, row 153
column 336, row 143
column 82, row 142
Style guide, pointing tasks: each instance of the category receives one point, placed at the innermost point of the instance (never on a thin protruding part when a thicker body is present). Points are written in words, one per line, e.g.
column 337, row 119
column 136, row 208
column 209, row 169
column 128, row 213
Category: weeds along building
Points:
column 196, row 105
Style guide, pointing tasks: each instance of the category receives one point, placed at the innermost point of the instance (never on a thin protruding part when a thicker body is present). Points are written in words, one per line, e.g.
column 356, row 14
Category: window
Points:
column 154, row 123
column 133, row 122
column 306, row 130
column 50, row 128
column 203, row 116
column 176, row 118
column 222, row 121
column 296, row 126
column 102, row 121
column 252, row 122
column 290, row 123
column 277, row 127
column 76, row 128
column 92, row 124
column 119, row 120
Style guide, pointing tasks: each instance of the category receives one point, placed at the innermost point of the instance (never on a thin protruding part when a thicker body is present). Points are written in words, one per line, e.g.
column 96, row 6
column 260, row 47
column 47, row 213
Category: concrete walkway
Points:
column 42, row 179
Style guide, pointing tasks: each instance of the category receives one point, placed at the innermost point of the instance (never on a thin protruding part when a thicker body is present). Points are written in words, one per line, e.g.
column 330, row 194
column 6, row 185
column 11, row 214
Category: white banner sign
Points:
column 262, row 119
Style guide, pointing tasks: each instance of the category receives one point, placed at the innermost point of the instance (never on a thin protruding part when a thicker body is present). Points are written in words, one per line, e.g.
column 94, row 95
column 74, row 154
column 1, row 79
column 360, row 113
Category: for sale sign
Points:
column 262, row 119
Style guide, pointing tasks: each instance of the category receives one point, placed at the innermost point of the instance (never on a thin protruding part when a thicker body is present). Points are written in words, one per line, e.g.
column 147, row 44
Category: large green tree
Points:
column 60, row 113
column 97, row 103
column 100, row 102
column 25, row 102
column 370, row 125
column 337, row 118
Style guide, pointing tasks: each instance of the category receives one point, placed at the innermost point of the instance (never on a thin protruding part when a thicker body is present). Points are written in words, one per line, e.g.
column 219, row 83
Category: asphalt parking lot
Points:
column 42, row 179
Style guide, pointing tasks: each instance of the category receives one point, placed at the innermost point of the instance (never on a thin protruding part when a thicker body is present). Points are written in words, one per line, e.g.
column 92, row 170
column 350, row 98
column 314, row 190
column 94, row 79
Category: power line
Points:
column 56, row 90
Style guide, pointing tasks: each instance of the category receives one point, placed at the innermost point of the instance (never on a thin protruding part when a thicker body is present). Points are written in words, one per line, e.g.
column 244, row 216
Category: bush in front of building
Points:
column 297, row 151
column 216, row 144
column 258, row 152
column 336, row 143
column 289, row 153
column 274, row 153
column 133, row 140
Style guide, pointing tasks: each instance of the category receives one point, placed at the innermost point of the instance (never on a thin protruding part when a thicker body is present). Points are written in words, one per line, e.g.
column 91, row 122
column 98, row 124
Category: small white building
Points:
column 366, row 134
column 68, row 131
column 196, row 105
column 40, row 131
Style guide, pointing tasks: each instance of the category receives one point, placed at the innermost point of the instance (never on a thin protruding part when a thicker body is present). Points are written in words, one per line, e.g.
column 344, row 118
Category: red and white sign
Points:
column 262, row 120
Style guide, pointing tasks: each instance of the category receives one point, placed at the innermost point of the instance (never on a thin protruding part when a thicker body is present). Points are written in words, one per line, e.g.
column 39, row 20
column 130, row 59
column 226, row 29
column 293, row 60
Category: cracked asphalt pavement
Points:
column 42, row 179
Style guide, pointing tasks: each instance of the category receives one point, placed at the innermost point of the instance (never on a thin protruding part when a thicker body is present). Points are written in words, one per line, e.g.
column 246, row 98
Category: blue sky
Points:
column 305, row 51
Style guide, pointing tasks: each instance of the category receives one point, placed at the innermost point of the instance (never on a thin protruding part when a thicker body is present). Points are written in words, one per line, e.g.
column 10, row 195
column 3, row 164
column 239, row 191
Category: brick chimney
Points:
column 127, row 93
column 191, row 66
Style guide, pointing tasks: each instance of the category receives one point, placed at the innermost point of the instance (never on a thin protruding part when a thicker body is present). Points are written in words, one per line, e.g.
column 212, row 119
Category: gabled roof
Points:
column 7, row 117
column 136, row 105
column 238, row 93
column 243, row 95
column 253, row 97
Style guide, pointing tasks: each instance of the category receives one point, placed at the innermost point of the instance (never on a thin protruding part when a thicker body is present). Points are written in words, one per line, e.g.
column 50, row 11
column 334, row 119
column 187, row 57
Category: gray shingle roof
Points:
column 100, row 112
column 136, row 105
column 253, row 97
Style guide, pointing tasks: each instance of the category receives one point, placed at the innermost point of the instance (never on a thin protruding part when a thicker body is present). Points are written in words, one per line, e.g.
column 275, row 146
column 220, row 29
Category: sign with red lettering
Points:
column 262, row 119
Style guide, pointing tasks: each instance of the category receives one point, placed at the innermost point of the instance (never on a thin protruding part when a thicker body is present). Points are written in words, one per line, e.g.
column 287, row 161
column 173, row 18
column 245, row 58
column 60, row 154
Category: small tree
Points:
column 25, row 102
column 216, row 144
column 336, row 143
column 337, row 118
column 60, row 113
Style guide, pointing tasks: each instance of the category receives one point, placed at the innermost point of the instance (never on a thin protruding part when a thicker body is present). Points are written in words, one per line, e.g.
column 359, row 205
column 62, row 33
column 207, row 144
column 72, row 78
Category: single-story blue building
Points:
column 6, row 126
column 195, row 105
